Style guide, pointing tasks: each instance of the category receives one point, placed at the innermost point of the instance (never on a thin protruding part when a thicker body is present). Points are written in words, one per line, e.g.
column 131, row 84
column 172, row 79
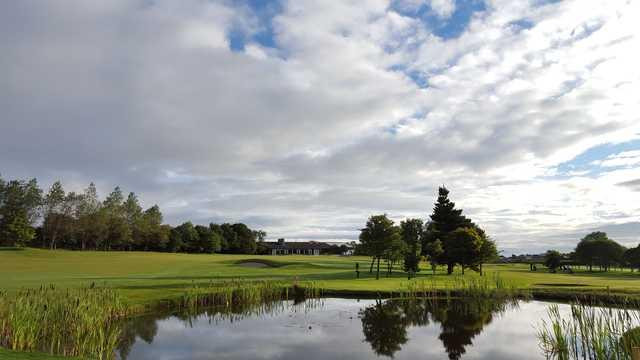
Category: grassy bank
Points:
column 145, row 278
column 156, row 279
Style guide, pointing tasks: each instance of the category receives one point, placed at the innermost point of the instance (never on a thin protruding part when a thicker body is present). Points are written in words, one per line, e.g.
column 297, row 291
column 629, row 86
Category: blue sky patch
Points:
column 522, row 24
column 584, row 161
column 264, row 11
column 451, row 27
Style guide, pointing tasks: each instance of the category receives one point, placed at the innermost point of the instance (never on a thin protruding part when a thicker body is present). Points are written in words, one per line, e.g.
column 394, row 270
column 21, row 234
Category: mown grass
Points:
column 144, row 278
column 20, row 355
column 191, row 281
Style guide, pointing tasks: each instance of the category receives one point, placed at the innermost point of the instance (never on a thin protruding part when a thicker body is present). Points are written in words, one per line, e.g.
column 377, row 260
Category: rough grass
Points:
column 143, row 277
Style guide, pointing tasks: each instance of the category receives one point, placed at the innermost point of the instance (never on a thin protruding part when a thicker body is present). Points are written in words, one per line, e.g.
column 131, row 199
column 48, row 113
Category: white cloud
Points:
column 309, row 138
column 444, row 8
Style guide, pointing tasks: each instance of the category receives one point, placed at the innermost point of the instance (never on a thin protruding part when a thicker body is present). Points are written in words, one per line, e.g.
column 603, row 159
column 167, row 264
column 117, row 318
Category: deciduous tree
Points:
column 377, row 238
column 412, row 231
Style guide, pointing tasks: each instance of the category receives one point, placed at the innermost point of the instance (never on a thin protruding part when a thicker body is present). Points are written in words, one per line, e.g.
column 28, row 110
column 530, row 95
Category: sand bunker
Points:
column 253, row 264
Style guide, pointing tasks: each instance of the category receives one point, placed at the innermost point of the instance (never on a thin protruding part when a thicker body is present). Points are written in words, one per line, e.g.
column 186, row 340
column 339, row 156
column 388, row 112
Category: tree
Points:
column 229, row 238
column 488, row 250
column 91, row 226
column 259, row 235
column 118, row 231
column 585, row 252
column 377, row 237
column 396, row 251
column 445, row 219
column 552, row 260
column 133, row 216
column 175, row 240
column 463, row 247
column 412, row 230
column 632, row 257
column 53, row 217
column 245, row 241
column 610, row 253
column 189, row 237
column 597, row 249
column 208, row 240
column 153, row 236
column 434, row 251
column 20, row 203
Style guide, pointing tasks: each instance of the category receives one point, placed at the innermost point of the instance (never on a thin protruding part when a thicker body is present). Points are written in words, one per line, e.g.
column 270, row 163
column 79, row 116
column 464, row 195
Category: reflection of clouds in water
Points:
column 336, row 332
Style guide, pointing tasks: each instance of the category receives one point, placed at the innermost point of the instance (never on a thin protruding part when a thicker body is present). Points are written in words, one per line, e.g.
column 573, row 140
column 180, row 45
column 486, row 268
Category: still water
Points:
column 344, row 329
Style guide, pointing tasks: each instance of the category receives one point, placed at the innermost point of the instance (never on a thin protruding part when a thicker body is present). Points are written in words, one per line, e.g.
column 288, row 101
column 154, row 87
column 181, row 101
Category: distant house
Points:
column 281, row 247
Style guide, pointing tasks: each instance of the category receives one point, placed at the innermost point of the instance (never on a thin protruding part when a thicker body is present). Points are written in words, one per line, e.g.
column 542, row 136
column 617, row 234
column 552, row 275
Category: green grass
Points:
column 144, row 278
column 18, row 355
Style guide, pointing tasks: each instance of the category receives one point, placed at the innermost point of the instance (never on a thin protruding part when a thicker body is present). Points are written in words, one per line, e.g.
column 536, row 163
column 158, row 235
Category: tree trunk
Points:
column 373, row 260
column 480, row 269
column 449, row 269
column 378, row 271
column 53, row 241
column 462, row 269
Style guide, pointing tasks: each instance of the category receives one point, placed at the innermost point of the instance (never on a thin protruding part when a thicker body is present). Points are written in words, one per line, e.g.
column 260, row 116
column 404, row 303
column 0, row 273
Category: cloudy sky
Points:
column 303, row 117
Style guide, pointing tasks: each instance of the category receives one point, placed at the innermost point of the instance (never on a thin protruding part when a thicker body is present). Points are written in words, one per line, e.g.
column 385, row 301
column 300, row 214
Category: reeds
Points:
column 590, row 332
column 246, row 294
column 73, row 322
column 460, row 286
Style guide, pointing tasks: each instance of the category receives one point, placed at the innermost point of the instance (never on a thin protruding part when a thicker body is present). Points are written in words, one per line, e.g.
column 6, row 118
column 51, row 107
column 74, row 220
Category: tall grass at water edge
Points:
column 465, row 287
column 71, row 322
column 87, row 322
column 228, row 294
column 590, row 332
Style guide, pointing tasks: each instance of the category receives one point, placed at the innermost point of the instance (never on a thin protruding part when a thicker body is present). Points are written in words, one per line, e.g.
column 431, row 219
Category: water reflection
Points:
column 340, row 328
column 385, row 324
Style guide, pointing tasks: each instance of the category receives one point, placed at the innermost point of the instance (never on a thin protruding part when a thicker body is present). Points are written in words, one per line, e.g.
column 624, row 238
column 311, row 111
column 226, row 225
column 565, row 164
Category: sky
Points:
column 305, row 117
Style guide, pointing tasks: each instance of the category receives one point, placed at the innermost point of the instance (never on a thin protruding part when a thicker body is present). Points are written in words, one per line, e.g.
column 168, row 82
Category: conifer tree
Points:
column 445, row 219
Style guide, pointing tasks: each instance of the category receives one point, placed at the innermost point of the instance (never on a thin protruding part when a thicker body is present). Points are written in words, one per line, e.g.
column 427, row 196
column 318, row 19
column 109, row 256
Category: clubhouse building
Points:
column 281, row 247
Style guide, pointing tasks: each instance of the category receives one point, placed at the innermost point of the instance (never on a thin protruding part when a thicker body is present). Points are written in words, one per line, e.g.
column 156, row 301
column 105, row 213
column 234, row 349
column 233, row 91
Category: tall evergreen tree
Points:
column 91, row 220
column 118, row 231
column 133, row 216
column 53, row 217
column 445, row 219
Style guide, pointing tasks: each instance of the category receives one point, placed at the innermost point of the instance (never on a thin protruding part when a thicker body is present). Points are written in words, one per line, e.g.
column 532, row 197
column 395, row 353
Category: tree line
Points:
column 70, row 220
column 596, row 249
column 448, row 238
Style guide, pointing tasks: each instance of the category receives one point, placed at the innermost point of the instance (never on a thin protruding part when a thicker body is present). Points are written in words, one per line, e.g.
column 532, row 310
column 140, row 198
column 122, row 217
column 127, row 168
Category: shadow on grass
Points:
column 6, row 248
column 609, row 275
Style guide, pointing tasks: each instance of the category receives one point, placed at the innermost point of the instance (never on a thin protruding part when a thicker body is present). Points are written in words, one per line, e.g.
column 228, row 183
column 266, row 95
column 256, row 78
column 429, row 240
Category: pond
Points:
column 343, row 329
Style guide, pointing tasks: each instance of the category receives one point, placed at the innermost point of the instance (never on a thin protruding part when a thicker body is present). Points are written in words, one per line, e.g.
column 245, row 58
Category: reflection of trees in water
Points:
column 146, row 327
column 385, row 324
column 384, row 328
column 143, row 327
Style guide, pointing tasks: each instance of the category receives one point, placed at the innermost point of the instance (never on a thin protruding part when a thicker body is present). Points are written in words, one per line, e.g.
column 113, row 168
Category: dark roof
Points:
column 297, row 245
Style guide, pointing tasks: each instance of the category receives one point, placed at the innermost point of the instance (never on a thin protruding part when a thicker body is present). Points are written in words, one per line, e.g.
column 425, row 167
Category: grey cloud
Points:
column 631, row 184
column 147, row 95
